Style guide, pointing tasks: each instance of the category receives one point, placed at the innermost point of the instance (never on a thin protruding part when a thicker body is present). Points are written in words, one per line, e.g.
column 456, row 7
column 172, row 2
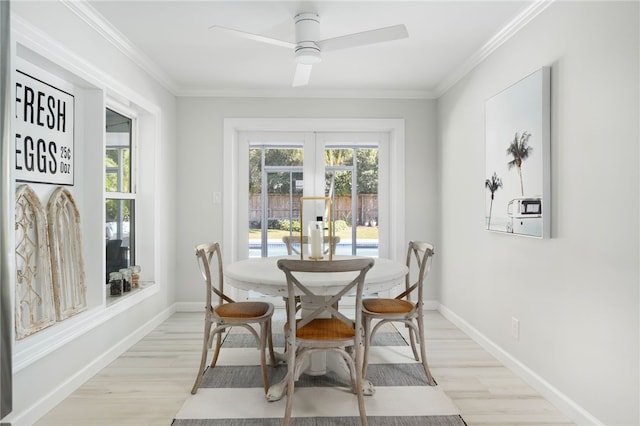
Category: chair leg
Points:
column 291, row 373
column 272, row 355
column 216, row 352
column 359, row 385
column 423, row 352
column 412, row 339
column 367, row 344
column 203, row 360
column 264, row 326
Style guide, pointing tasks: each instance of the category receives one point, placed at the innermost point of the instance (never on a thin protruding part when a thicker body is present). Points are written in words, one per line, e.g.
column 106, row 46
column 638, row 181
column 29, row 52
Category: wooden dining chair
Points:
column 402, row 308
column 292, row 242
column 325, row 328
column 222, row 312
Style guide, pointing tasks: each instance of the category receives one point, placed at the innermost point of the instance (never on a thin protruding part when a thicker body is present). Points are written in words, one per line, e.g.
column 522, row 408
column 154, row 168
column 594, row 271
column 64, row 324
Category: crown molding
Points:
column 308, row 93
column 519, row 22
column 96, row 21
column 86, row 12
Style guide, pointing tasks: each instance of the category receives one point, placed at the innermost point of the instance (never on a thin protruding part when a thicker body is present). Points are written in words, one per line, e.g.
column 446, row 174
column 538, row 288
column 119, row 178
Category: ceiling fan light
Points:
column 308, row 56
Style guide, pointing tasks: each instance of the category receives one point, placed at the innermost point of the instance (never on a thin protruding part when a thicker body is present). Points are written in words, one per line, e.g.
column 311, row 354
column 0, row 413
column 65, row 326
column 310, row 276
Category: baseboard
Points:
column 44, row 405
column 566, row 405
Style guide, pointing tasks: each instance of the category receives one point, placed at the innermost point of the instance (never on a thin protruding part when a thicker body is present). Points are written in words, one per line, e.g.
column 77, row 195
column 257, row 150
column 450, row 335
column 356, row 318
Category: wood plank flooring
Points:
column 148, row 384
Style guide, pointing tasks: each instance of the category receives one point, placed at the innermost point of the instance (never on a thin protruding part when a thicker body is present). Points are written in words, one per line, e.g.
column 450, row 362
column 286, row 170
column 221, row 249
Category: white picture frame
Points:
column 517, row 158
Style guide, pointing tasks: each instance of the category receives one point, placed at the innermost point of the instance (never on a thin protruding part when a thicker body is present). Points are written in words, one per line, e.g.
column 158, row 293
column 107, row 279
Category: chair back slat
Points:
column 207, row 255
column 422, row 254
column 293, row 270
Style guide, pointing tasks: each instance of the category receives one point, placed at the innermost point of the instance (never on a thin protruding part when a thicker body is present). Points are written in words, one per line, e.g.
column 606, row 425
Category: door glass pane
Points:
column 339, row 189
column 283, row 205
column 283, row 157
column 255, row 201
column 339, row 156
column 276, row 184
column 354, row 191
column 367, row 203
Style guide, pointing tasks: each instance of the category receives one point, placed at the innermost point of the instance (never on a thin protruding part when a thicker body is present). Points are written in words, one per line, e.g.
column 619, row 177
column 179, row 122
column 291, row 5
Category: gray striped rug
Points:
column 231, row 394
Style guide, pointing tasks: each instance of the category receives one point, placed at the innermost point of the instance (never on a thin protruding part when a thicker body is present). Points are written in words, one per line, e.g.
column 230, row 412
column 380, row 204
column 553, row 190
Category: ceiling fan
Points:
column 308, row 48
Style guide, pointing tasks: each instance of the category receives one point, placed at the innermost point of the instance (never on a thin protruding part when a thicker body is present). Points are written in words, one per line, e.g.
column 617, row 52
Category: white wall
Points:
column 64, row 44
column 577, row 299
column 200, row 162
column 576, row 294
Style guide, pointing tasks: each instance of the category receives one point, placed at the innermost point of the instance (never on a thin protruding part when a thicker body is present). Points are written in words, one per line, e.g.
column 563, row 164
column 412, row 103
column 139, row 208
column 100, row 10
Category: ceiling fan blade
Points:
column 301, row 77
column 254, row 37
column 394, row 32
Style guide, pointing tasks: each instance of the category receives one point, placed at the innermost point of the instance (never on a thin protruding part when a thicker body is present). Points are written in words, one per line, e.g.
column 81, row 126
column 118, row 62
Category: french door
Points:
column 275, row 185
column 238, row 133
column 282, row 167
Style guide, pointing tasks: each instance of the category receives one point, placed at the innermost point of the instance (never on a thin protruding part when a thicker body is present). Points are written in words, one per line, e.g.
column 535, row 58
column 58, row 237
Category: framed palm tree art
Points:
column 517, row 170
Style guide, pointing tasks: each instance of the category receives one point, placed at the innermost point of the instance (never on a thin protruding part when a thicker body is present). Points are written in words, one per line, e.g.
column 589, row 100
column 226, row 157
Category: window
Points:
column 119, row 192
column 531, row 207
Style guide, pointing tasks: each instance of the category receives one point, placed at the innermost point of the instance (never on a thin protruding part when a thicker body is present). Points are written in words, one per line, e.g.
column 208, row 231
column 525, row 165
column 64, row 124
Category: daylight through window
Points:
column 119, row 192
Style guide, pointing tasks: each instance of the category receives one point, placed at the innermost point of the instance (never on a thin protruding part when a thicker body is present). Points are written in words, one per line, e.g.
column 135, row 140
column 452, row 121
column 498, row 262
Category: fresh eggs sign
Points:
column 43, row 132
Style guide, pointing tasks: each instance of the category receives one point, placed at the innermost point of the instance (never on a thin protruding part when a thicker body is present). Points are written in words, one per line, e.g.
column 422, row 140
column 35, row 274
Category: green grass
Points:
column 362, row 232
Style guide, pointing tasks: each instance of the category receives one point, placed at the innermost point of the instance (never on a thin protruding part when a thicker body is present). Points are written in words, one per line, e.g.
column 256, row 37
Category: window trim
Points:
column 133, row 172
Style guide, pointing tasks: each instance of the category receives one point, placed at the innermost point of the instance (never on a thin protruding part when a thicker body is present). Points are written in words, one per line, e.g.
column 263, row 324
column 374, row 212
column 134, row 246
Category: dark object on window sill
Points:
column 117, row 257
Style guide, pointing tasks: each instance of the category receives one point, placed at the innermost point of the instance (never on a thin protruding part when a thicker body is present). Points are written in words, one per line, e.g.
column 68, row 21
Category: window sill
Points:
column 143, row 285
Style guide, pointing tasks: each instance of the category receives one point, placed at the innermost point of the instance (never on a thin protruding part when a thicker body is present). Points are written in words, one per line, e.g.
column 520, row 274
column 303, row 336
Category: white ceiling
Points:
column 172, row 40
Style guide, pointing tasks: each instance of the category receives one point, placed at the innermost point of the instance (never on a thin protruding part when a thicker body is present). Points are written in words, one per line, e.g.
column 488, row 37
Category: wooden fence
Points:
column 280, row 208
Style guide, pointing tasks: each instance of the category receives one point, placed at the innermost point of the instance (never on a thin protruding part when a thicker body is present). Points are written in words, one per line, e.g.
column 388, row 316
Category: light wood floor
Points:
column 148, row 384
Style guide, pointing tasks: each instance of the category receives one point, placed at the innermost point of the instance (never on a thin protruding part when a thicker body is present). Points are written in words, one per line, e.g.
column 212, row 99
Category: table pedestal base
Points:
column 324, row 361
column 317, row 363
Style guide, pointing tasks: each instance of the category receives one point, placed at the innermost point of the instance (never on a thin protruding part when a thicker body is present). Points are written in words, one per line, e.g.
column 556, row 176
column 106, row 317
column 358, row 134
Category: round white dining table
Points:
column 262, row 275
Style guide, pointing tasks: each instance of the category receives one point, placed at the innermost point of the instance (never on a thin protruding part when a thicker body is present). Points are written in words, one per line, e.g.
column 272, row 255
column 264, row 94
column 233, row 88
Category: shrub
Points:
column 273, row 224
column 340, row 225
column 285, row 225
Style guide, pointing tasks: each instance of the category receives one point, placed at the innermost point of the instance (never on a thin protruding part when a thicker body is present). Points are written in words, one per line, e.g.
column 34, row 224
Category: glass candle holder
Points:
column 115, row 284
column 126, row 279
column 135, row 275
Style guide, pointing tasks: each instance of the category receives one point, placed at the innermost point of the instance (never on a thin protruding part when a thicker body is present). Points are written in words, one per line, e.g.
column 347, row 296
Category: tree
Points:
column 492, row 185
column 519, row 150
column 277, row 182
column 368, row 171
column 366, row 160
column 255, row 171
column 113, row 183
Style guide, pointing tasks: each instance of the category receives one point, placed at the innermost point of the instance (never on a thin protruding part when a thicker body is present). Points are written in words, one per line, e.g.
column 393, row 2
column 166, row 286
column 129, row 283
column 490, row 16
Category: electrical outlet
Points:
column 515, row 328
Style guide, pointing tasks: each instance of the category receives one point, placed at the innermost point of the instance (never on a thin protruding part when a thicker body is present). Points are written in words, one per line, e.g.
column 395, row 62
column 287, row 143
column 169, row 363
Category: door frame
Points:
column 392, row 240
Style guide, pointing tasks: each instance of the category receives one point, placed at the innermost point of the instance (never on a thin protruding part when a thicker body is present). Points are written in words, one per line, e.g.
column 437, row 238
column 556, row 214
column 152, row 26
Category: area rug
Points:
column 231, row 394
